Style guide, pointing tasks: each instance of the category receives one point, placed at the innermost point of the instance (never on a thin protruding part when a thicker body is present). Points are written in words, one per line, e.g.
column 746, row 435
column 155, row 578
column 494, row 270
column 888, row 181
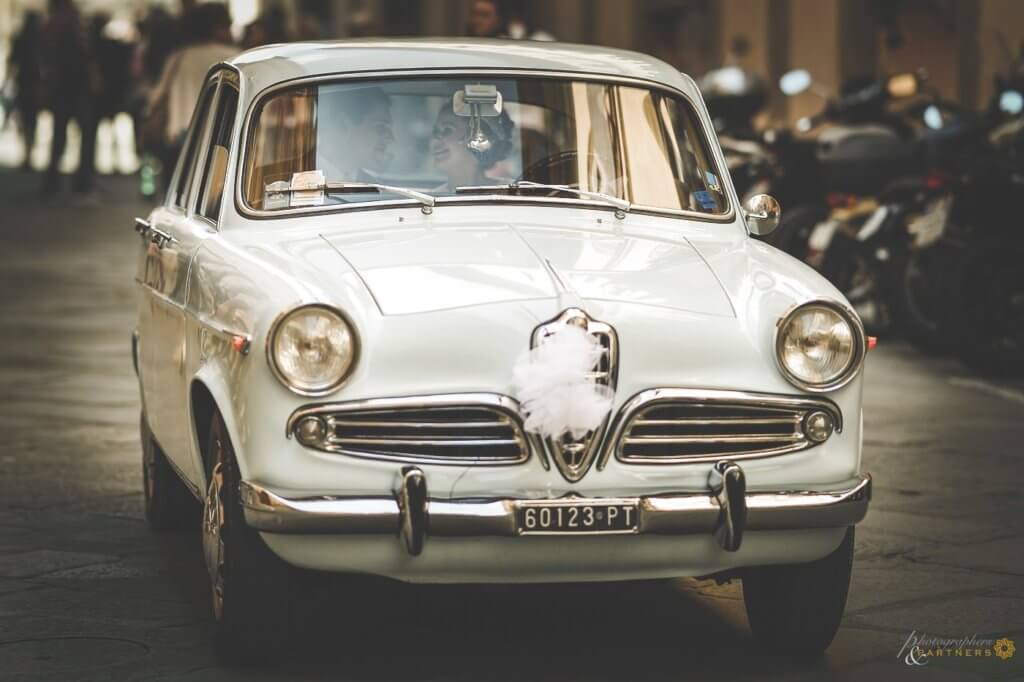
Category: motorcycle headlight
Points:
column 820, row 346
column 312, row 349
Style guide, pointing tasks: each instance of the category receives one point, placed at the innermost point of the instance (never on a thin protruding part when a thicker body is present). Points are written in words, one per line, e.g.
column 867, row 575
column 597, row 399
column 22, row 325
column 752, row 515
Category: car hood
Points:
column 423, row 268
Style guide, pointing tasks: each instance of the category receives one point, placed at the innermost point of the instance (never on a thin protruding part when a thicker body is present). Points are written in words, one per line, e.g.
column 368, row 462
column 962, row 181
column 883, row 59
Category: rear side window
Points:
column 187, row 159
column 217, row 156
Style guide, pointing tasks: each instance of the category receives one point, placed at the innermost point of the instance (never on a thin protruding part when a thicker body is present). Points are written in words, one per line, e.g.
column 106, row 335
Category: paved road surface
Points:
column 87, row 592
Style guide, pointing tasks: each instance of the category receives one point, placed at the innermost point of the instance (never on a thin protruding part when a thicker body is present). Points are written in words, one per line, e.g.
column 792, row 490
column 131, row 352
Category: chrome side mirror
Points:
column 762, row 213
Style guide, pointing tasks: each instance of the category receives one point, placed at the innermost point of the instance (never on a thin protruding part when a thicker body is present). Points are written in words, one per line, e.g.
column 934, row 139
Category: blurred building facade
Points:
column 961, row 43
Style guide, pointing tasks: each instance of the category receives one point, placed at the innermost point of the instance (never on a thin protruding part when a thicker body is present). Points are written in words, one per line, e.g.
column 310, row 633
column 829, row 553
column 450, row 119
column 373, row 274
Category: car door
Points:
column 168, row 243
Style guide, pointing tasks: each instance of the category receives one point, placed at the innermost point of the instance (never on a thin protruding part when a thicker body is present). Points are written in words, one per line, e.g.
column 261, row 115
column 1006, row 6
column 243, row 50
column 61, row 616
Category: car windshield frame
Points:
column 702, row 124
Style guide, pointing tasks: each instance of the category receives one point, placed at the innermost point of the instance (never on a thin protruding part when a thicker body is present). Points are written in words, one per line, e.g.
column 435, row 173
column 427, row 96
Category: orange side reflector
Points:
column 240, row 344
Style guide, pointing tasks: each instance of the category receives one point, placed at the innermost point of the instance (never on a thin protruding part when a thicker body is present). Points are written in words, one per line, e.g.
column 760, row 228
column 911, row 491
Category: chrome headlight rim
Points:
column 275, row 327
column 860, row 345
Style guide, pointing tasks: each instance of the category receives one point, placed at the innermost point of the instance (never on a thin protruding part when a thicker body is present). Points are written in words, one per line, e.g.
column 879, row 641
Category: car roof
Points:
column 265, row 66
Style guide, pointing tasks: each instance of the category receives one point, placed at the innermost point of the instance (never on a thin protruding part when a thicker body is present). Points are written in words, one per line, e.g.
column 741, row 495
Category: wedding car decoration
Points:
column 485, row 312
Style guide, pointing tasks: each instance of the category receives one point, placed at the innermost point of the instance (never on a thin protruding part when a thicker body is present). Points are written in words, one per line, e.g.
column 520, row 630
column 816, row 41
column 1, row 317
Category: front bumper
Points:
column 725, row 510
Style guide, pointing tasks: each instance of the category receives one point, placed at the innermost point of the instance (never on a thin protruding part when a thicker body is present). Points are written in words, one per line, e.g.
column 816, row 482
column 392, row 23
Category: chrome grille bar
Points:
column 476, row 428
column 721, row 438
column 682, row 426
column 437, row 443
column 353, row 423
column 718, row 421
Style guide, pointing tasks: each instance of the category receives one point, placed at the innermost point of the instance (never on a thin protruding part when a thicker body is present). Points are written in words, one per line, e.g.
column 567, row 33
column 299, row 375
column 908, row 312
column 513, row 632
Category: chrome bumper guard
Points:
column 725, row 510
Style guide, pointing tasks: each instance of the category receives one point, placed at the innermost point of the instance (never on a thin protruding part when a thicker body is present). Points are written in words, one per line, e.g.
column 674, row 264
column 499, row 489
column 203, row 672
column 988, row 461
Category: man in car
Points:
column 356, row 135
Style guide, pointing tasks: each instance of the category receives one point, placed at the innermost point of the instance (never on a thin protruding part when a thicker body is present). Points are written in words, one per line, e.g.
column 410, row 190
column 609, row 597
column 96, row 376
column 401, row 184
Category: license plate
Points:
column 570, row 517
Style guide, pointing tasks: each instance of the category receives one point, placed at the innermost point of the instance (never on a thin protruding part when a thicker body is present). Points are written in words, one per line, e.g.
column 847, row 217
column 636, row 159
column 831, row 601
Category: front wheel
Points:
column 251, row 588
column 795, row 609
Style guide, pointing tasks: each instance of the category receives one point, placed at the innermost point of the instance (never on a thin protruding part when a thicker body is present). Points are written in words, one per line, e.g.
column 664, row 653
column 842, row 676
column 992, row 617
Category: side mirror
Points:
column 762, row 213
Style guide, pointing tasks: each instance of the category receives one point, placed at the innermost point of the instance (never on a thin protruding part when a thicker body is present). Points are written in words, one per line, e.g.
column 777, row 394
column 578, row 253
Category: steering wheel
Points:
column 558, row 168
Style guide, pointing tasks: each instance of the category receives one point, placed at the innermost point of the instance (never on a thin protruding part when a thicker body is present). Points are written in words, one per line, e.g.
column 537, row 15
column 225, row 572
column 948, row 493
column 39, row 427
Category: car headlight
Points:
column 311, row 349
column 820, row 345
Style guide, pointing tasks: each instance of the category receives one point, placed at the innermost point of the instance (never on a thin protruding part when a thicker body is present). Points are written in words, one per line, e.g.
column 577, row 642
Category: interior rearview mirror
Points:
column 794, row 82
column 762, row 213
column 477, row 101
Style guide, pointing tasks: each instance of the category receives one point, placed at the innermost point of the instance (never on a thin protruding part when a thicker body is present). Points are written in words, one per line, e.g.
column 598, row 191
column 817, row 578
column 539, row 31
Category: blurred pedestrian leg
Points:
column 24, row 62
column 70, row 78
column 78, row 109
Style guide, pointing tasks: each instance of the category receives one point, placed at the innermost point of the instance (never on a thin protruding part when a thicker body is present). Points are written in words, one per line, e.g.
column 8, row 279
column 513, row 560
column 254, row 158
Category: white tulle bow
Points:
column 553, row 384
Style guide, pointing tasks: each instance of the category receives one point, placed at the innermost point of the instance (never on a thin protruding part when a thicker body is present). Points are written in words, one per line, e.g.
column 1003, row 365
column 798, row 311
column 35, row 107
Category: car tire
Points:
column 253, row 591
column 795, row 609
column 168, row 503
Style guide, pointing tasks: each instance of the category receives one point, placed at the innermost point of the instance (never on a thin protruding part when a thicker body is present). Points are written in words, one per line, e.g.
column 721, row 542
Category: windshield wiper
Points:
column 520, row 185
column 426, row 200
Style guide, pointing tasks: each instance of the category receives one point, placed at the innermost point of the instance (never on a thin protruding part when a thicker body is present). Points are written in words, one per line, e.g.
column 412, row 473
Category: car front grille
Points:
column 456, row 429
column 680, row 426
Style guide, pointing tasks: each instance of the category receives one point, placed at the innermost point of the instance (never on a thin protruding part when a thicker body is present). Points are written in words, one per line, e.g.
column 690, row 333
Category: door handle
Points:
column 160, row 238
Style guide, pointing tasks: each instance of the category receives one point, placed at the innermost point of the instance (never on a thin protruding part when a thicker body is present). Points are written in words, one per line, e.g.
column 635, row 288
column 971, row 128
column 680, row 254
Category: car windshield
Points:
column 436, row 135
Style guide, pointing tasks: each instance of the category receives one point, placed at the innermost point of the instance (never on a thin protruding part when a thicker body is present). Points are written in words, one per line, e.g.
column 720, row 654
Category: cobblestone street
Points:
column 88, row 592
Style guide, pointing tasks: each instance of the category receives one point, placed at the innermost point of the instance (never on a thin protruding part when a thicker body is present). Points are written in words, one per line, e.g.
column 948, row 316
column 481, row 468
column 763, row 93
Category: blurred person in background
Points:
column 159, row 33
column 518, row 28
column 71, row 83
column 497, row 19
column 111, row 45
column 269, row 28
column 207, row 35
column 25, row 63
column 486, row 19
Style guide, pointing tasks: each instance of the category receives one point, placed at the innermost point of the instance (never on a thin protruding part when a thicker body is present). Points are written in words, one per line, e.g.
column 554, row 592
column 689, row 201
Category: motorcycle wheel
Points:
column 865, row 280
column 990, row 309
column 795, row 228
column 917, row 304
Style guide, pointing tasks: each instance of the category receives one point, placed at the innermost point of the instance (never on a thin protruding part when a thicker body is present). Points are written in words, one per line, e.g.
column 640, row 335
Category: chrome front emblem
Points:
column 573, row 456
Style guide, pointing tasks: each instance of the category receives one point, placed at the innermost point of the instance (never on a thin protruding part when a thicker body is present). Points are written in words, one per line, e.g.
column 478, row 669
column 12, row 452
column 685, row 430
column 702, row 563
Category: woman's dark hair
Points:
column 498, row 130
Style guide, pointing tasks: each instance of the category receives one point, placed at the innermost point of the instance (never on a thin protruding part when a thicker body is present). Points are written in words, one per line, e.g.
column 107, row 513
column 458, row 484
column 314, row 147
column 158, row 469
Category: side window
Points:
column 187, row 157
column 212, row 187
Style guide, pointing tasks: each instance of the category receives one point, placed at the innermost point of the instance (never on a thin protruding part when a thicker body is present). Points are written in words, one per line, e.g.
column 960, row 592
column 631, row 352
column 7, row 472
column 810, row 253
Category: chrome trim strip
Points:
column 218, row 330
column 721, row 438
column 669, row 514
column 507, row 416
column 707, row 132
column 223, row 333
column 717, row 421
column 861, row 351
column 420, row 425
column 725, row 398
column 454, row 440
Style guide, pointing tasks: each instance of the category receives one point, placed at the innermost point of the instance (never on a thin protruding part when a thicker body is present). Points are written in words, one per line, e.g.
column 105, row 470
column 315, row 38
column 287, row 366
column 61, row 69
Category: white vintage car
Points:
column 471, row 311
